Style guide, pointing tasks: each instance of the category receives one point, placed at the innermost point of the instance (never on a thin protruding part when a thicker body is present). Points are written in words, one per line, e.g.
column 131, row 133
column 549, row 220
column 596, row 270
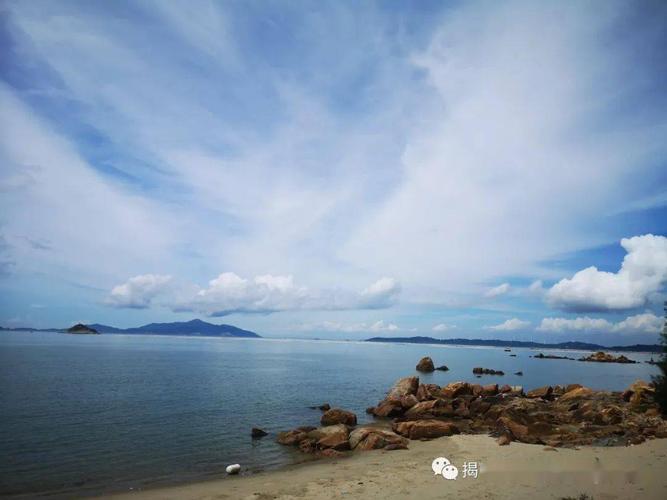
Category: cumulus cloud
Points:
column 442, row 327
column 230, row 293
column 509, row 325
column 498, row 290
column 642, row 273
column 331, row 326
column 640, row 323
column 138, row 292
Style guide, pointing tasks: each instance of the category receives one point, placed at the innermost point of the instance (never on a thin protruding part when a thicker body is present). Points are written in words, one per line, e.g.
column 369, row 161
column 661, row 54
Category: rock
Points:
column 233, row 469
column 504, row 440
column 456, row 389
column 404, row 387
column 550, row 356
column 428, row 391
column 425, row 429
column 541, row 392
column 602, row 357
column 576, row 393
column 571, row 387
column 291, row 438
column 372, row 438
column 256, row 433
column 338, row 416
column 328, row 430
column 486, row 371
column 424, row 409
column 337, row 441
column 505, row 389
column 409, row 401
column 442, row 368
column 324, row 407
column 490, row 390
column 520, row 374
column 425, row 365
column 308, row 445
column 389, row 408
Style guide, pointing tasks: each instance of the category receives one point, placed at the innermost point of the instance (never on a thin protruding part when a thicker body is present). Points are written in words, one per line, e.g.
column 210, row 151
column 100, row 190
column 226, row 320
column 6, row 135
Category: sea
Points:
column 83, row 415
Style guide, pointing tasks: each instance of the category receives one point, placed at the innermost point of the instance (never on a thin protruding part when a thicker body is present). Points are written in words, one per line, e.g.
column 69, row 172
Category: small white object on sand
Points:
column 233, row 469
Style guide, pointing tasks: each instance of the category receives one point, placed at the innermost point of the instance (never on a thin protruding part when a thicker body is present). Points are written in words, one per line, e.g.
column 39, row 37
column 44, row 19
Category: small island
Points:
column 80, row 328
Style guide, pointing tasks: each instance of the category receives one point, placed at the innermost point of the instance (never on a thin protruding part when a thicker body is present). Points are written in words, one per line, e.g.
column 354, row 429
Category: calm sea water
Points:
column 87, row 414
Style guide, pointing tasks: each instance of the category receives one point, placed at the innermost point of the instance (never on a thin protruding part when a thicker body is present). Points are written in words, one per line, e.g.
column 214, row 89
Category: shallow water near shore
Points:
column 82, row 415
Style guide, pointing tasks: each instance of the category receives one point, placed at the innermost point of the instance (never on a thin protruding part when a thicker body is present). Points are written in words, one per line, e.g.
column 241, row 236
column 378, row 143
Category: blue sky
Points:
column 336, row 169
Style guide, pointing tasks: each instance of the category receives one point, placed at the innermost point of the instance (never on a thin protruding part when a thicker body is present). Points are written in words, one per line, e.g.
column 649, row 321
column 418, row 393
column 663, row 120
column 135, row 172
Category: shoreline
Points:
column 516, row 471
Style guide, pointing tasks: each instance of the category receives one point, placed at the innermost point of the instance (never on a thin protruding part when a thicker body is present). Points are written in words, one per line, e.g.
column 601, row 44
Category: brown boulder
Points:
column 456, row 389
column 291, row 438
column 403, row 387
column 425, row 365
column 257, row 433
column 423, row 409
column 330, row 453
column 576, row 393
column 336, row 441
column 338, row 416
column 541, row 392
column 505, row 389
column 389, row 408
column 425, row 429
column 409, row 401
column 490, row 390
column 427, row 391
column 371, row 438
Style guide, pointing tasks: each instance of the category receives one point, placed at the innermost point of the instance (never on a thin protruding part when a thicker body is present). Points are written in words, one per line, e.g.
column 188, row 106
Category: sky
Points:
column 336, row 169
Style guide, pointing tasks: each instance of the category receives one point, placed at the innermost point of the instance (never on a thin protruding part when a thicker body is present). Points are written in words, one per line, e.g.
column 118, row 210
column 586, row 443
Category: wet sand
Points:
column 516, row 471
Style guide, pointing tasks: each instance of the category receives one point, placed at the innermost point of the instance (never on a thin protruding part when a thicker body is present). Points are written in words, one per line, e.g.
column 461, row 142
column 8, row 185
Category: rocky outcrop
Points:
column 602, row 357
column 257, row 433
column 338, row 416
column 425, row 365
column 551, row 416
column 442, row 368
column 486, row 371
column 404, row 387
column 550, row 356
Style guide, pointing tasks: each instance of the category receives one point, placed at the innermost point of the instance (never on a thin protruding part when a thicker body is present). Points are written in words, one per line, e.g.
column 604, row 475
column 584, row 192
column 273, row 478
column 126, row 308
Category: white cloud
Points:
column 331, row 326
column 643, row 272
column 578, row 324
column 536, row 288
column 442, row 327
column 498, row 290
column 640, row 323
column 138, row 292
column 230, row 293
column 509, row 325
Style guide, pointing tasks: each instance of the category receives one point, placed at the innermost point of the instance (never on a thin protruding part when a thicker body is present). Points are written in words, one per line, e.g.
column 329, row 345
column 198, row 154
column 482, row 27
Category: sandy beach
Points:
column 515, row 471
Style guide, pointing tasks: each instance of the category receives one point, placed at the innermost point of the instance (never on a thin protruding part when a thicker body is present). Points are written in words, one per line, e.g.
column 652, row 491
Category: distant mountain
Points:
column 80, row 328
column 194, row 327
column 578, row 346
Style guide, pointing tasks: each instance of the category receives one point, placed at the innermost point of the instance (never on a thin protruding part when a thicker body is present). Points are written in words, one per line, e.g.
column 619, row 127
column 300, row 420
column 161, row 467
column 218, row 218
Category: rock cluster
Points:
column 550, row 356
column 603, row 357
column 332, row 440
column 555, row 416
column 486, row 371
